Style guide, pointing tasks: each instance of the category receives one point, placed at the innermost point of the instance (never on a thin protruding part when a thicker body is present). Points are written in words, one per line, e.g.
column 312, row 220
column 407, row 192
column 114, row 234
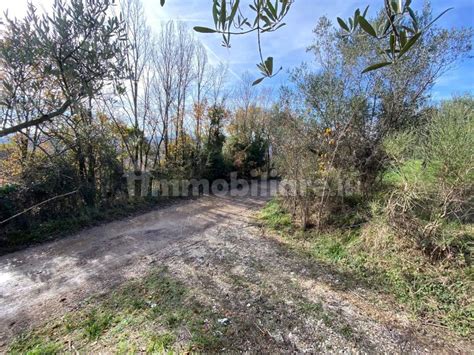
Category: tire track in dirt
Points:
column 278, row 301
column 46, row 280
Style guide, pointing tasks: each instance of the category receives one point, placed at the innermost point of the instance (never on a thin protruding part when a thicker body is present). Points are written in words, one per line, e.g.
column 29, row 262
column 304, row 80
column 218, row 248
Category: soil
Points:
column 275, row 299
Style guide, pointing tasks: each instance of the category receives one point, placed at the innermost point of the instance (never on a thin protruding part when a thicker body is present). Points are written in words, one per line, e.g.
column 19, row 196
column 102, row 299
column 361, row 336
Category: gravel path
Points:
column 276, row 300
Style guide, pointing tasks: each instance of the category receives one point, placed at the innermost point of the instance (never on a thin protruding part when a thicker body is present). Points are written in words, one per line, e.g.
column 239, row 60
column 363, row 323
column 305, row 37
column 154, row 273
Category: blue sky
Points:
column 288, row 44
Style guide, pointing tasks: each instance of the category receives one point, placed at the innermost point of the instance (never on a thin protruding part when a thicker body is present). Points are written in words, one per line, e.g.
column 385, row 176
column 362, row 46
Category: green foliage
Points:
column 34, row 345
column 449, row 145
column 246, row 155
column 215, row 166
column 330, row 129
column 399, row 30
column 34, row 231
column 247, row 144
column 275, row 216
column 74, row 48
column 230, row 19
column 400, row 145
column 431, row 180
column 160, row 343
column 400, row 27
column 7, row 201
column 96, row 323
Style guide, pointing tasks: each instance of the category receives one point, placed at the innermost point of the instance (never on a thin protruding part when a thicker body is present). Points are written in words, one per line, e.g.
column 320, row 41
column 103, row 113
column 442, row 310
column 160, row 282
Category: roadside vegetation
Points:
column 378, row 180
column 414, row 236
column 155, row 314
column 160, row 108
column 436, row 295
column 35, row 232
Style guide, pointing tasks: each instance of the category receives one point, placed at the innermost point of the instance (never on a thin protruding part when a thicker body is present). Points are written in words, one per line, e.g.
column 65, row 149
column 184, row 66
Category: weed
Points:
column 346, row 331
column 275, row 216
column 202, row 340
column 31, row 344
column 96, row 323
column 311, row 308
column 37, row 232
column 124, row 347
column 160, row 343
column 327, row 320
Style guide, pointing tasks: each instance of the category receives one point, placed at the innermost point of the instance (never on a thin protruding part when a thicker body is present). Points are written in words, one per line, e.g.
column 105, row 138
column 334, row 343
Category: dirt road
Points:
column 214, row 245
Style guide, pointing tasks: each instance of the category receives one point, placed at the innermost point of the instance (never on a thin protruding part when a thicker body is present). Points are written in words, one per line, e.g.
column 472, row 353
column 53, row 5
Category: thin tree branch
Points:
column 37, row 205
column 36, row 121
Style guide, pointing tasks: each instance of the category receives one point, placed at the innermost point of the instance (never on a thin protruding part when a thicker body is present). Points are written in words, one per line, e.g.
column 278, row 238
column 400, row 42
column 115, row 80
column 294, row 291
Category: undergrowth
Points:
column 436, row 294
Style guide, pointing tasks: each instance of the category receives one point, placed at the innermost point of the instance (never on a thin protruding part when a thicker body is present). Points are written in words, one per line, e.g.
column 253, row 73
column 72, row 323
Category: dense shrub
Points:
column 246, row 155
column 431, row 181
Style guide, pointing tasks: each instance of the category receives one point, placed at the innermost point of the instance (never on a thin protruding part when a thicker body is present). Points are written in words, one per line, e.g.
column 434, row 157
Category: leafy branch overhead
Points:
column 398, row 31
column 263, row 16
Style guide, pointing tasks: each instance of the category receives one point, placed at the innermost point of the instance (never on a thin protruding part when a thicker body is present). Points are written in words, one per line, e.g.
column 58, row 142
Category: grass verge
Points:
column 156, row 314
column 436, row 295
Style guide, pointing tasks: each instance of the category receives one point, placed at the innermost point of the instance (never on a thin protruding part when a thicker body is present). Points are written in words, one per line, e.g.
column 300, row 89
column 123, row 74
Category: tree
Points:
column 397, row 29
column 135, row 90
column 248, row 143
column 166, row 82
column 343, row 115
column 72, row 52
column 215, row 165
column 185, row 47
column 365, row 108
column 202, row 87
column 431, row 179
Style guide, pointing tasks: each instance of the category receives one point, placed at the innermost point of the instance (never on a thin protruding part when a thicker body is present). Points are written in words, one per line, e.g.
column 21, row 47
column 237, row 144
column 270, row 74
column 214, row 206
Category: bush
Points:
column 430, row 181
column 246, row 154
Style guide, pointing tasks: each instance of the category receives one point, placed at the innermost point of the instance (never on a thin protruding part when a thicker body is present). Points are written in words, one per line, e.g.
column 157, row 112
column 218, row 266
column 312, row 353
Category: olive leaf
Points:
column 204, row 29
column 343, row 24
column 376, row 66
column 367, row 27
column 258, row 81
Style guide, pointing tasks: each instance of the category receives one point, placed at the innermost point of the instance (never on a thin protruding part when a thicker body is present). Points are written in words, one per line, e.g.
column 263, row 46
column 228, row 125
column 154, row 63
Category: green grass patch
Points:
column 146, row 315
column 160, row 343
column 34, row 345
column 275, row 217
column 96, row 323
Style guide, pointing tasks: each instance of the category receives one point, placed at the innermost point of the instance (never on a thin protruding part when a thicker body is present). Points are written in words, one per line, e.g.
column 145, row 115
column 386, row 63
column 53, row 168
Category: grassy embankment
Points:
column 436, row 294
